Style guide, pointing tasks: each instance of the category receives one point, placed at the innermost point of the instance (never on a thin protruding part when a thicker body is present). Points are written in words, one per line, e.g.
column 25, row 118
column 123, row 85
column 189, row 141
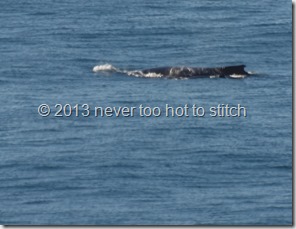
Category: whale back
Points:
column 197, row 71
column 237, row 70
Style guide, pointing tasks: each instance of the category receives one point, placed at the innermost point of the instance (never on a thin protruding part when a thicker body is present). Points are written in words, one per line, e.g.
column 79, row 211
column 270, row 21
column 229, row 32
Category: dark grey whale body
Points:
column 198, row 72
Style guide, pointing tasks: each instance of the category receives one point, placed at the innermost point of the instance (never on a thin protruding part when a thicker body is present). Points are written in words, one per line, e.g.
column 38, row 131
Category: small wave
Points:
column 104, row 67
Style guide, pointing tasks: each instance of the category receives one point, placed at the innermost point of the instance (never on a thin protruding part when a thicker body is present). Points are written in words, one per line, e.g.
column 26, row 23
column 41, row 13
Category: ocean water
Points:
column 145, row 170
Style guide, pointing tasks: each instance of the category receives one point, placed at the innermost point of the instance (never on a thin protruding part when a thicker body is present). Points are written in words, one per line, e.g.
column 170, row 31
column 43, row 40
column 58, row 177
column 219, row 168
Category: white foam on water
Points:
column 152, row 75
column 104, row 67
column 135, row 73
column 235, row 76
column 138, row 73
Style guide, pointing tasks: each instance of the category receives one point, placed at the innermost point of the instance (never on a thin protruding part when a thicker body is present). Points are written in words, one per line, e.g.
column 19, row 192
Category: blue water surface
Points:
column 145, row 170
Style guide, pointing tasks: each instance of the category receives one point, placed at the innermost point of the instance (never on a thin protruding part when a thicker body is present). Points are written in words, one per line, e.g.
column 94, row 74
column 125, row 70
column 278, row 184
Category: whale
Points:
column 236, row 71
column 193, row 72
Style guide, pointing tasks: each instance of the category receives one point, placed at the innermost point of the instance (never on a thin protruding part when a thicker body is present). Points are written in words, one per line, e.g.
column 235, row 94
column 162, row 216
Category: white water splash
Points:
column 251, row 73
column 104, row 67
column 136, row 73
column 235, row 76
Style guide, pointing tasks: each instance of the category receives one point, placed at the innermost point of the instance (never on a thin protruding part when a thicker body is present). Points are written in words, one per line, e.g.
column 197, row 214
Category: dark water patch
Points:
column 43, row 13
column 37, row 202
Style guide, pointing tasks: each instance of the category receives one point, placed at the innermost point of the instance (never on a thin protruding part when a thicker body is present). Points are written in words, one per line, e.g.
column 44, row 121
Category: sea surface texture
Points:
column 145, row 170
